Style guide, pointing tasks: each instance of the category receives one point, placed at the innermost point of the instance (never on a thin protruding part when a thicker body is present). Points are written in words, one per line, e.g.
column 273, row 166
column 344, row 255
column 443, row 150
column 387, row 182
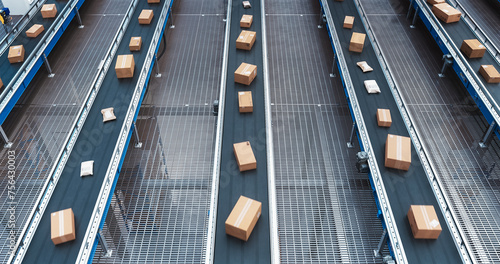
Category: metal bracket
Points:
column 334, row 63
column 157, row 67
column 486, row 139
column 381, row 243
column 138, row 143
column 47, row 66
column 215, row 111
column 78, row 18
column 171, row 18
column 8, row 143
column 350, row 144
column 448, row 60
column 104, row 244
column 322, row 20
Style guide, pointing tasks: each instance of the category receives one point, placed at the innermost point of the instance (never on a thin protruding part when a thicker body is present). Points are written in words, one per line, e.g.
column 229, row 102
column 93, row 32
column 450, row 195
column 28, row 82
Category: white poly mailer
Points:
column 364, row 66
column 87, row 168
column 372, row 86
column 108, row 114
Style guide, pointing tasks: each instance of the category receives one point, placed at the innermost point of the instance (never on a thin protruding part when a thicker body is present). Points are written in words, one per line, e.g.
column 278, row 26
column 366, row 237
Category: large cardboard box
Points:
column 146, row 16
column 135, row 44
column 472, row 48
column 434, row 2
column 398, row 152
column 153, row 1
column 245, row 73
column 62, row 226
column 357, row 42
column 446, row 13
column 488, row 72
column 16, row 54
column 424, row 222
column 384, row 117
column 243, row 217
column 34, row 31
column 244, row 156
column 245, row 40
column 246, row 21
column 348, row 21
column 49, row 11
column 245, row 102
column 125, row 66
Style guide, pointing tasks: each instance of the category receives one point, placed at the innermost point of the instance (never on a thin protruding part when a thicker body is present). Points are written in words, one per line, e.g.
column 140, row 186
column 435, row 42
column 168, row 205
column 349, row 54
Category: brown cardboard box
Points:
column 488, row 72
column 384, row 117
column 245, row 102
column 244, row 156
column 424, row 222
column 146, row 16
column 49, row 11
column 472, row 48
column 446, row 13
column 243, row 217
column 246, row 21
column 348, row 21
column 398, row 152
column 434, row 2
column 1, row 83
column 34, row 31
column 62, row 226
column 357, row 42
column 153, row 1
column 245, row 73
column 245, row 40
column 125, row 66
column 135, row 44
column 16, row 54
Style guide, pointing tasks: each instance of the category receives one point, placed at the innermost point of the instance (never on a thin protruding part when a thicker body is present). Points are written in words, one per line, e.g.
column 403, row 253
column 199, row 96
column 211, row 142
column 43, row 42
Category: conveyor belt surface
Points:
column 40, row 123
column 485, row 13
column 238, row 128
column 95, row 142
column 403, row 188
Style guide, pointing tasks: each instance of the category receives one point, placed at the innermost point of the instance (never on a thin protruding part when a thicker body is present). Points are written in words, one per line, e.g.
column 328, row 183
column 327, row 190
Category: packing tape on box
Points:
column 124, row 61
column 426, row 217
column 243, row 213
column 399, row 148
column 384, row 115
column 245, row 70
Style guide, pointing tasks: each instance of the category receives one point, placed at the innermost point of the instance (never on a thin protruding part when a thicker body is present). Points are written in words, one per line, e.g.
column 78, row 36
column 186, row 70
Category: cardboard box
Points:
column 398, row 152
column 357, row 42
column 246, row 21
column 62, row 226
column 146, row 16
column 135, row 44
column 246, row 4
column 245, row 102
column 487, row 71
column 1, row 83
column 384, row 117
column 153, row 1
column 49, row 11
column 244, row 156
column 446, row 13
column 34, row 31
column 348, row 21
column 16, row 54
column 434, row 2
column 424, row 222
column 125, row 66
column 245, row 40
column 245, row 73
column 472, row 48
column 243, row 217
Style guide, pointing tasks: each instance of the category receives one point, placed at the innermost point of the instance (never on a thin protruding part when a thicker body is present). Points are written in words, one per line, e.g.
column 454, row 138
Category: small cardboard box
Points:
column 135, row 43
column 446, row 13
column 424, row 222
column 245, row 40
column 348, row 21
column 146, row 16
column 49, row 11
column 434, row 2
column 1, row 83
column 245, row 73
column 398, row 152
column 487, row 71
column 357, row 42
column 472, row 48
column 153, row 1
column 245, row 102
column 384, row 117
column 244, row 156
column 34, row 31
column 62, row 226
column 125, row 66
column 16, row 54
column 243, row 217
column 246, row 21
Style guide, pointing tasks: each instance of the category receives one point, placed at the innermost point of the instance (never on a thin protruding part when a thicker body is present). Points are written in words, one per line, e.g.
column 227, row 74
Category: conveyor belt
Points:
column 485, row 13
column 403, row 188
column 97, row 141
column 237, row 128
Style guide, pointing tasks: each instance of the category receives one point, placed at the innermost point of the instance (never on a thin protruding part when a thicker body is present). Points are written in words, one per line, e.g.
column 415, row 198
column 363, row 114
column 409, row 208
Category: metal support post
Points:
column 414, row 18
column 409, row 10
column 138, row 143
column 381, row 243
column 78, row 18
column 350, row 144
column 104, row 244
column 321, row 20
column 448, row 60
column 334, row 63
column 8, row 144
column 157, row 67
column 171, row 18
column 486, row 139
column 47, row 66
